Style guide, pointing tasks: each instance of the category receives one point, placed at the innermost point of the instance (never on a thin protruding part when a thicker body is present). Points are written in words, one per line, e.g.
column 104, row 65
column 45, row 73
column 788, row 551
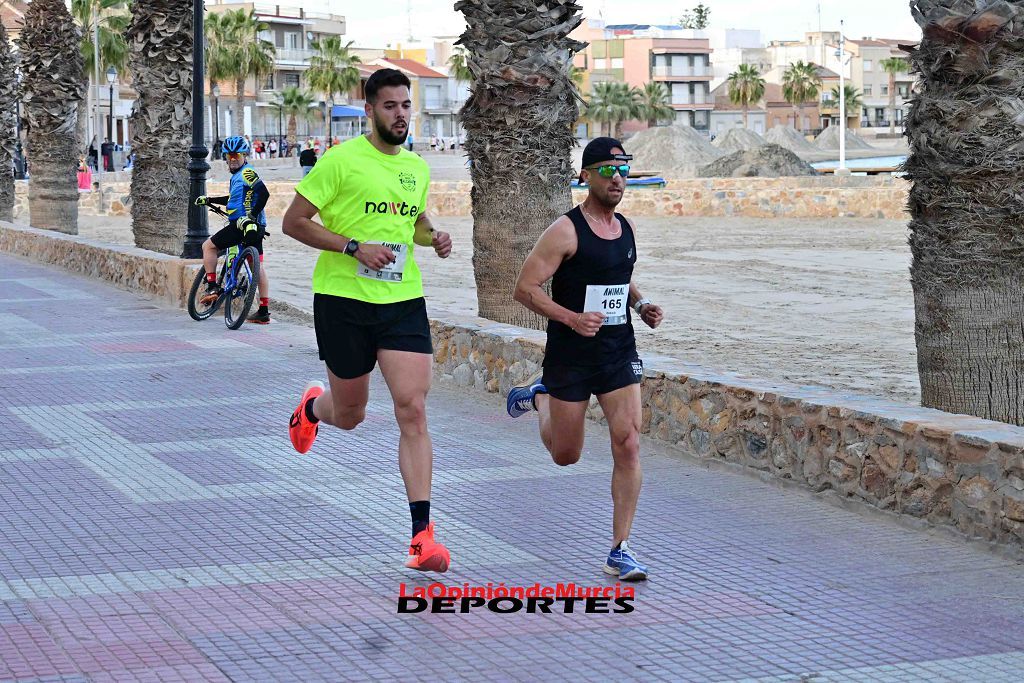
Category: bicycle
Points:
column 238, row 279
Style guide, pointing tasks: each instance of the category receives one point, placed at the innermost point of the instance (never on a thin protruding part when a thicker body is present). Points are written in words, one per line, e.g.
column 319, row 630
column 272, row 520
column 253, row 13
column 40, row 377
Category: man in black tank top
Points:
column 589, row 254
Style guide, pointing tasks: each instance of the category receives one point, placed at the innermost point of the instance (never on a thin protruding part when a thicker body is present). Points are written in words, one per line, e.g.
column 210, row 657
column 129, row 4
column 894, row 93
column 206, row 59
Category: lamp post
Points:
column 198, row 230
column 19, row 160
column 841, row 54
column 111, row 79
column 215, row 91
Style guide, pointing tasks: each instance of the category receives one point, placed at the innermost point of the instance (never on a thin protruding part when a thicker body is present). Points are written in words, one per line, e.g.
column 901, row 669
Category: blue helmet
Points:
column 236, row 144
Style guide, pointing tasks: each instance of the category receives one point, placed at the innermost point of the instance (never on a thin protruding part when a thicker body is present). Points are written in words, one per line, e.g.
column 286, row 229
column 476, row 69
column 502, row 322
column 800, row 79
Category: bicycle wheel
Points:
column 196, row 308
column 238, row 299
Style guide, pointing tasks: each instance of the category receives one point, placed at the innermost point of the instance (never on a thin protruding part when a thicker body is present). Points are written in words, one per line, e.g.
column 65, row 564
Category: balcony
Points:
column 434, row 105
column 681, row 72
column 293, row 56
column 688, row 100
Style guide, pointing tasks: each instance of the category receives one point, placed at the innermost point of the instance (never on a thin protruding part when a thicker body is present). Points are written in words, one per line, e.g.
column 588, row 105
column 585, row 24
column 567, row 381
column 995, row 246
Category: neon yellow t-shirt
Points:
column 368, row 196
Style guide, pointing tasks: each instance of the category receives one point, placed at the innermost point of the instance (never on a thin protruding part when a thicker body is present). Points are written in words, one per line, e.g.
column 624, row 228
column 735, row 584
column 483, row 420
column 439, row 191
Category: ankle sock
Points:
column 211, row 278
column 309, row 411
column 420, row 512
column 264, row 303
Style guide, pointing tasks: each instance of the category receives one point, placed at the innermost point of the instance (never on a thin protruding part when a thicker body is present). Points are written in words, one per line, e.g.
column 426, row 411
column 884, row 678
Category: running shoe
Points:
column 213, row 292
column 260, row 318
column 623, row 564
column 301, row 431
column 521, row 399
column 426, row 555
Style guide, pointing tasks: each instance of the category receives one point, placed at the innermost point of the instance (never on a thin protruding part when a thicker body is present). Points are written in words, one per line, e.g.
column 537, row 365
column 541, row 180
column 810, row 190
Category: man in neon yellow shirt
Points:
column 368, row 305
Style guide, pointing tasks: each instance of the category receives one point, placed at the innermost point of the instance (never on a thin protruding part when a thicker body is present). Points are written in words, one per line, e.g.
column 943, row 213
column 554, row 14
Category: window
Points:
column 867, row 90
column 269, row 84
column 867, row 65
column 600, row 49
column 292, row 41
column 291, row 80
column 885, row 90
column 904, row 91
column 616, row 48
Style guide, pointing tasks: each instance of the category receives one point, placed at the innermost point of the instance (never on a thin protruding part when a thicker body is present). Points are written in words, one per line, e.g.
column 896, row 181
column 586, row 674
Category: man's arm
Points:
column 299, row 224
column 426, row 236
column 556, row 244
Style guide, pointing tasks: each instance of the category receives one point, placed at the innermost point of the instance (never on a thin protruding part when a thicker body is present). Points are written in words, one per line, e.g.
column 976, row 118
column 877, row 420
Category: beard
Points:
column 606, row 199
column 385, row 133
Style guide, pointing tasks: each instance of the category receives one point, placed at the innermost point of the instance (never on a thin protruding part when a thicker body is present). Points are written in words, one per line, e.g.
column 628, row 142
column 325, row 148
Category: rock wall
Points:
column 953, row 471
column 882, row 197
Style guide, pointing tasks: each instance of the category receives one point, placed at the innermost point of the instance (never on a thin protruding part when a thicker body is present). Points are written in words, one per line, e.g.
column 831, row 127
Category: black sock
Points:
column 309, row 411
column 618, row 546
column 420, row 511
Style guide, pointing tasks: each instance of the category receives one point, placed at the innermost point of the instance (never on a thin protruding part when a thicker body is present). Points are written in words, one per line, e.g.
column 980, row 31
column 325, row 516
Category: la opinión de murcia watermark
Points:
column 565, row 598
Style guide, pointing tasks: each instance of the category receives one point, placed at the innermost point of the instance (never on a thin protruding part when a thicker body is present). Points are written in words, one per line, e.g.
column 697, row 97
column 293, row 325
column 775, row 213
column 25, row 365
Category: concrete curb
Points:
column 931, row 468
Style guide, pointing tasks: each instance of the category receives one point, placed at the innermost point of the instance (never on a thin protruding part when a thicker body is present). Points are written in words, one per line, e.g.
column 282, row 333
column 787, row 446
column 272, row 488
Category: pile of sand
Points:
column 676, row 151
column 791, row 139
column 828, row 140
column 738, row 140
column 767, row 161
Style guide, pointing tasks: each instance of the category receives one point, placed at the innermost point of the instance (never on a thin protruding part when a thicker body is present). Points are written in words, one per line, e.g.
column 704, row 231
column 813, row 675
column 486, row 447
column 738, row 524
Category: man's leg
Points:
column 561, row 427
column 210, row 257
column 622, row 410
column 343, row 405
column 408, row 378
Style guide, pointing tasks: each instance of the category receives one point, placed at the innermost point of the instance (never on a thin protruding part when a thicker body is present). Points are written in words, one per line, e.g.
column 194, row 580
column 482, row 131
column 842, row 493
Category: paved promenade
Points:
column 156, row 525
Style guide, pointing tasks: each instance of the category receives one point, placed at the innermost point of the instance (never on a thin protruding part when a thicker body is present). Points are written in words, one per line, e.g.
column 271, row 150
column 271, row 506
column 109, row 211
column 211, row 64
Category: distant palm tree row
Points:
column 613, row 103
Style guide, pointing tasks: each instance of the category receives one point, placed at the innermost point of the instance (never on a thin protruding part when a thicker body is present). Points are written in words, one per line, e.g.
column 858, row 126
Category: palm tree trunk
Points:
column 892, row 104
column 293, row 128
column 52, row 67
column 965, row 204
column 239, row 125
column 160, row 41
column 8, row 125
column 519, row 135
column 745, row 117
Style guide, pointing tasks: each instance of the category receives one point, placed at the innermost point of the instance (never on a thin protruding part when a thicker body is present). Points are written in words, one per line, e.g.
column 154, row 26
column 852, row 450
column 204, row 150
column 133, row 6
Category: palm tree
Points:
column 332, row 70
column 746, row 87
column 112, row 17
column 519, row 135
column 800, row 83
column 294, row 103
column 852, row 100
column 8, row 126
column 652, row 103
column 578, row 75
column 612, row 103
column 51, row 63
column 249, row 56
column 965, row 206
column 893, row 66
column 459, row 66
column 160, row 55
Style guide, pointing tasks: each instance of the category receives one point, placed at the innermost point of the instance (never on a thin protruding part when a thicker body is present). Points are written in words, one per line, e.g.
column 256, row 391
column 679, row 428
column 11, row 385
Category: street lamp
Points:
column 111, row 79
column 215, row 91
column 841, row 54
column 198, row 230
column 19, row 160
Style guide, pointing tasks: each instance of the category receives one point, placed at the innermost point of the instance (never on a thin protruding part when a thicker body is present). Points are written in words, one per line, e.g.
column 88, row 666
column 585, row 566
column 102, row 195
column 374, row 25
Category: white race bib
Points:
column 392, row 272
column 608, row 299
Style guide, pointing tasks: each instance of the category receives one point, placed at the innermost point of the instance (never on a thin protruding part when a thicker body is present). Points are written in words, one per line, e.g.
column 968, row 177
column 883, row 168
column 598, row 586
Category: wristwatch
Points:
column 351, row 247
column 640, row 304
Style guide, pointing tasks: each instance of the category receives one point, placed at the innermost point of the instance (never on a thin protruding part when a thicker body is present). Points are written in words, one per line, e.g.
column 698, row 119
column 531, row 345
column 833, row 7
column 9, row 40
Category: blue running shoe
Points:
column 520, row 399
column 623, row 564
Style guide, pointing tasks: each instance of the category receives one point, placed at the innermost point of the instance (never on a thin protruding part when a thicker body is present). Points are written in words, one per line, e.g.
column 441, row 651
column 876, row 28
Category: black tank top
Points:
column 604, row 265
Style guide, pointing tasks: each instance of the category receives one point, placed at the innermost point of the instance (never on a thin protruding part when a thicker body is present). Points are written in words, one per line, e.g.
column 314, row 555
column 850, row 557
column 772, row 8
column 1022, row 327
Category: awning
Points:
column 344, row 111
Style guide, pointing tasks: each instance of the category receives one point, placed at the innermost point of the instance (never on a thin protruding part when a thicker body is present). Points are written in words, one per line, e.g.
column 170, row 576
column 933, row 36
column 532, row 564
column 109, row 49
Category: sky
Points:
column 777, row 19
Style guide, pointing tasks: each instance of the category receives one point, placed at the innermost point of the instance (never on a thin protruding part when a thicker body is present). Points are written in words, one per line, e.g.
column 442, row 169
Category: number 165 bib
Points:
column 608, row 299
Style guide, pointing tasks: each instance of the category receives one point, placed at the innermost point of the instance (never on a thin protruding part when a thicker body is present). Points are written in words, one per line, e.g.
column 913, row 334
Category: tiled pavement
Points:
column 155, row 525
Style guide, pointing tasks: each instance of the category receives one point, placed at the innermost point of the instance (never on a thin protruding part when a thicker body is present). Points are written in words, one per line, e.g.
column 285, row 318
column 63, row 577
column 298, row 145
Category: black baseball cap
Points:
column 600, row 149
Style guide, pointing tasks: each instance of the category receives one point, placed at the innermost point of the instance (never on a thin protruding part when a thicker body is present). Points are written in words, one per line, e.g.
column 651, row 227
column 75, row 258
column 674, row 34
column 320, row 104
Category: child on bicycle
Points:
column 248, row 224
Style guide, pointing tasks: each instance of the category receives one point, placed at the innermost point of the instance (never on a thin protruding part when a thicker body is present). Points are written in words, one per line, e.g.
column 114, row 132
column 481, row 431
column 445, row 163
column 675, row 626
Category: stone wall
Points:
column 953, row 471
column 810, row 197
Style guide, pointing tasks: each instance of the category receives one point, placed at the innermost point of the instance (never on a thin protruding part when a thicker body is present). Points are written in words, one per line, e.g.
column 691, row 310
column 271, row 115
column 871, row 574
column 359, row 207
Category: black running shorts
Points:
column 580, row 383
column 350, row 332
column 231, row 236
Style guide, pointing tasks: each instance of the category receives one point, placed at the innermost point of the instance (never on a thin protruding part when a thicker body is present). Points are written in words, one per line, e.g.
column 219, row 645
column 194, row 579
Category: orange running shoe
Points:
column 426, row 555
column 301, row 431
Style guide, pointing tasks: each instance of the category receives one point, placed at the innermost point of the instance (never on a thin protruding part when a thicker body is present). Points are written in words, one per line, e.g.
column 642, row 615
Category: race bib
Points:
column 391, row 272
column 608, row 299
